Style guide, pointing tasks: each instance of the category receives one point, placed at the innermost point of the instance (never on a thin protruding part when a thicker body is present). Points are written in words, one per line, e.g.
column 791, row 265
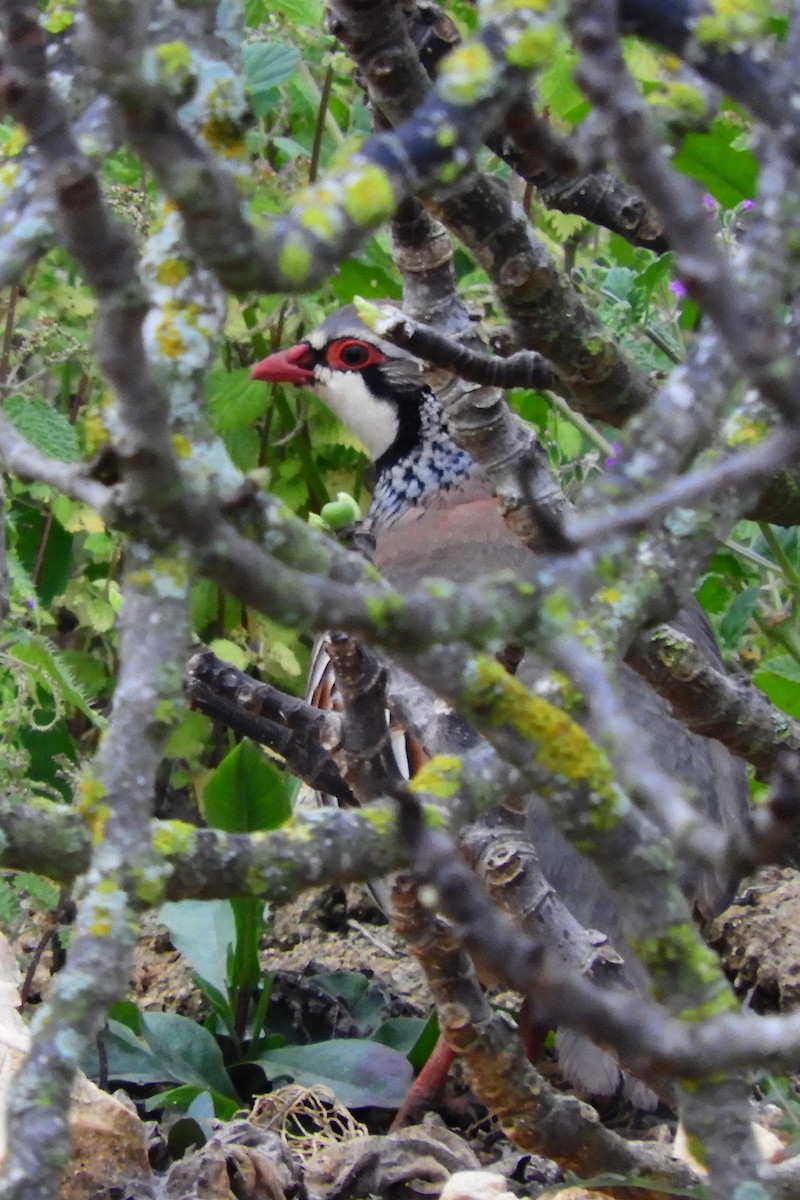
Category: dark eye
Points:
column 350, row 354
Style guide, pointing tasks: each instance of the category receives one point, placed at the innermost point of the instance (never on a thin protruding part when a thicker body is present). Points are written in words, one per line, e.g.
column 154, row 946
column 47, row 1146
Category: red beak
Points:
column 287, row 366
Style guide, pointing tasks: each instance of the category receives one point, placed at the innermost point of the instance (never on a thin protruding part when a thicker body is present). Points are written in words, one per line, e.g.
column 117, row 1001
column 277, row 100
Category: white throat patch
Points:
column 372, row 420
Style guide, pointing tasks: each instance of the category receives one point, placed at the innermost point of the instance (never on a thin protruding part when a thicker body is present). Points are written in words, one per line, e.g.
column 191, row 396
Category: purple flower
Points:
column 709, row 202
column 613, row 456
column 678, row 288
column 746, row 205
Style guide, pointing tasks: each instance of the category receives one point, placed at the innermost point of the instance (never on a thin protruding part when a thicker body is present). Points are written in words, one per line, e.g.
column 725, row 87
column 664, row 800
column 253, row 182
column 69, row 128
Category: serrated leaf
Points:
column 266, row 65
column 41, row 654
column 565, row 225
column 234, row 401
column 303, row 12
column 289, row 147
column 38, row 888
column 246, row 793
column 10, row 911
column 361, row 1074
column 44, row 427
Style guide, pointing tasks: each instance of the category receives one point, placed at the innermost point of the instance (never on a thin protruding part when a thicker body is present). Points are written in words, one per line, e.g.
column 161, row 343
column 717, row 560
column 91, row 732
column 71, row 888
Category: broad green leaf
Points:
column 365, row 1002
column 187, row 1051
column 778, row 678
column 235, row 402
column 724, row 170
column 204, row 932
column 360, row 1073
column 246, row 792
column 231, row 652
column 266, row 64
column 413, row 1036
column 356, row 278
column 172, row 1049
column 302, row 12
column 44, row 427
column 38, row 888
column 290, row 147
column 559, row 91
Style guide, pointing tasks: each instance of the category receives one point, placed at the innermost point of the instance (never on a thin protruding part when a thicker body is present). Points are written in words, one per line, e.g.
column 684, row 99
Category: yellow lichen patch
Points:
column 681, row 96
column 12, row 140
column 679, row 949
column 171, row 272
column 294, row 259
column 368, row 196
column 181, row 445
column 318, row 220
column 746, row 432
column 559, row 743
column 90, row 796
column 466, row 74
column 173, row 58
column 174, row 837
column 254, row 881
column 224, row 136
column 169, row 340
column 440, row 777
column 731, row 21
column 535, row 47
column 381, row 610
column 149, row 886
column 609, row 595
column 141, row 578
column 380, row 816
column 496, row 7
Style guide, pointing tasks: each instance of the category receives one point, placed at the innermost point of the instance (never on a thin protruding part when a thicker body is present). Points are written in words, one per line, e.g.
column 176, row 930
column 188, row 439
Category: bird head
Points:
column 375, row 388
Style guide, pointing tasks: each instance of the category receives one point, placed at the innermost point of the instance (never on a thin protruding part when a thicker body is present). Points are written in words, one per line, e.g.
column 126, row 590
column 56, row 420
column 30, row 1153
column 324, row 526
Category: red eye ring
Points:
column 352, row 354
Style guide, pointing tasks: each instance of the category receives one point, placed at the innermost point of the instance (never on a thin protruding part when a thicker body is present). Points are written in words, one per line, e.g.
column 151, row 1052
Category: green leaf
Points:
column 38, row 888
column 187, row 1051
column 235, row 402
column 559, row 91
column 360, row 1073
column 711, row 158
column 45, row 550
column 266, row 65
column 55, row 673
column 204, row 932
column 404, row 1034
column 778, row 678
column 301, row 12
column 732, row 625
column 187, row 1095
column 246, row 793
column 44, row 427
column 356, row 278
column 10, row 909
